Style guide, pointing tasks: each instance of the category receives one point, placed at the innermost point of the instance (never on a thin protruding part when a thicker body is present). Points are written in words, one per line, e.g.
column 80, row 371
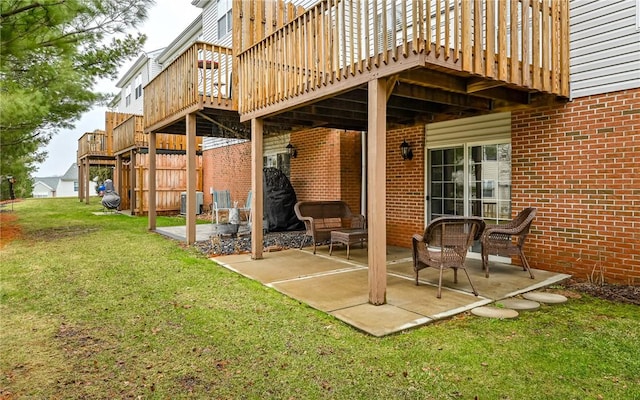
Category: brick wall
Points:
column 328, row 166
column 579, row 164
column 227, row 168
column 350, row 168
column 405, row 186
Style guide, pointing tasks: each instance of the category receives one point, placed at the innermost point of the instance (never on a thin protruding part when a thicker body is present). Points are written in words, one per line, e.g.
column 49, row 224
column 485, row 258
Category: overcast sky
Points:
column 164, row 22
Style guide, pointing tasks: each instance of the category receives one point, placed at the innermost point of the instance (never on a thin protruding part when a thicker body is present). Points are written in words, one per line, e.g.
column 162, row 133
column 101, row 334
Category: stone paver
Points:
column 519, row 304
column 546, row 298
column 494, row 312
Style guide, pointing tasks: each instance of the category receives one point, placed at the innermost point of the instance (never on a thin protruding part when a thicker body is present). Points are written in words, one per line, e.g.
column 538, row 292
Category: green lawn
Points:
column 96, row 307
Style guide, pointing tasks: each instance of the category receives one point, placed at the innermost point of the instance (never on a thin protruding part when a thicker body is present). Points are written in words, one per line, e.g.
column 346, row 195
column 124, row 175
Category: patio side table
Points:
column 348, row 237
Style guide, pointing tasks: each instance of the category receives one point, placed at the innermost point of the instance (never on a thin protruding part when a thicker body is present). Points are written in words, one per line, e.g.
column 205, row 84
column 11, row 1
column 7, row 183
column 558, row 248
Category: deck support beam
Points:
column 257, row 212
column 117, row 175
column 377, row 191
column 152, row 182
column 85, row 167
column 190, row 123
column 132, row 182
column 82, row 180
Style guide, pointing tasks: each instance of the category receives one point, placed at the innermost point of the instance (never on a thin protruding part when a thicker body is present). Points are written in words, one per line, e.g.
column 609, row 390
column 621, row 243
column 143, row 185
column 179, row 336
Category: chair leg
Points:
column 473, row 289
column 485, row 264
column 440, row 284
column 525, row 264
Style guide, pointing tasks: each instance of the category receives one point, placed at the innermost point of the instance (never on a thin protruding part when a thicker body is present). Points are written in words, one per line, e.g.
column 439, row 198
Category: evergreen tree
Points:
column 52, row 53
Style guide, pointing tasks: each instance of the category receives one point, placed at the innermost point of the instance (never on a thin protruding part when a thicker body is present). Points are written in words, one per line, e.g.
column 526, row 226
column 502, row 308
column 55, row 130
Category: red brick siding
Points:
column 227, row 168
column 328, row 166
column 351, row 168
column 405, row 186
column 579, row 164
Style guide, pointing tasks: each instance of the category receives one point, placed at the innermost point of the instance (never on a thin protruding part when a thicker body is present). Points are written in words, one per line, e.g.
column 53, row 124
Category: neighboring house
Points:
column 45, row 187
column 60, row 186
column 129, row 100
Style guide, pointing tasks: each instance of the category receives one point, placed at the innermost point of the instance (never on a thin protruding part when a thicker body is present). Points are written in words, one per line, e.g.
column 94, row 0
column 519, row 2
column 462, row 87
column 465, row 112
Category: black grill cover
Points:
column 111, row 199
column 279, row 200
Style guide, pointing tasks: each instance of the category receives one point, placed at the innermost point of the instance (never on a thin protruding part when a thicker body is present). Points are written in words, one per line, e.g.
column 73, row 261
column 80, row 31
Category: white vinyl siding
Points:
column 605, row 46
column 483, row 128
column 209, row 24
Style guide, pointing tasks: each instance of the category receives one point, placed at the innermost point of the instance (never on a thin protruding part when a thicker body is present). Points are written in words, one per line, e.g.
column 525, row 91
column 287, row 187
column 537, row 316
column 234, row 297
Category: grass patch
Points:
column 98, row 307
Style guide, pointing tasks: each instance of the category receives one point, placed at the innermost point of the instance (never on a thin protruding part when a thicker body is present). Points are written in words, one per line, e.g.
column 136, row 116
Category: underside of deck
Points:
column 418, row 92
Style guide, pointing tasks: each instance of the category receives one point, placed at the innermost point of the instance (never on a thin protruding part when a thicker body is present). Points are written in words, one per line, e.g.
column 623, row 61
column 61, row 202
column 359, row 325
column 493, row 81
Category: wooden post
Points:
column 152, row 182
column 85, row 166
column 81, row 182
column 132, row 182
column 191, row 178
column 377, row 191
column 117, row 175
column 256, row 188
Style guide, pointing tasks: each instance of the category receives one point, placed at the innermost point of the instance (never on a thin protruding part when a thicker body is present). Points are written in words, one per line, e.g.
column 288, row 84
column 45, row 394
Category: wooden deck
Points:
column 198, row 81
column 438, row 60
column 299, row 69
column 129, row 135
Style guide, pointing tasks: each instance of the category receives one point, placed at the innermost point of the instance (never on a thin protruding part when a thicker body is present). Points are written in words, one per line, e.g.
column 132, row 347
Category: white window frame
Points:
column 138, row 86
column 224, row 15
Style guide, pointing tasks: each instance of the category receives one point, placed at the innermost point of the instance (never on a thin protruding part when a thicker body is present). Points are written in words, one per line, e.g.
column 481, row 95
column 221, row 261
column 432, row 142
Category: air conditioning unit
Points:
column 199, row 202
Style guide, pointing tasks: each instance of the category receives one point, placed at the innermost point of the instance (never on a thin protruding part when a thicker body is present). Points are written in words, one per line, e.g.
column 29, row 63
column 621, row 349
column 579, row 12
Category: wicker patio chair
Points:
column 444, row 244
column 508, row 239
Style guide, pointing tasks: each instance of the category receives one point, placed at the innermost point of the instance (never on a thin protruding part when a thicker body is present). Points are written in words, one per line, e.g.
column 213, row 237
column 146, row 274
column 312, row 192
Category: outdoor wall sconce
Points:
column 405, row 150
column 292, row 151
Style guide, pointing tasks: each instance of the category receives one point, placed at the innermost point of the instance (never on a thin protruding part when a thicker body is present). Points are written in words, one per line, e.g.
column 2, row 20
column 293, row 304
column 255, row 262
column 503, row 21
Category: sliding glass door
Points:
column 470, row 180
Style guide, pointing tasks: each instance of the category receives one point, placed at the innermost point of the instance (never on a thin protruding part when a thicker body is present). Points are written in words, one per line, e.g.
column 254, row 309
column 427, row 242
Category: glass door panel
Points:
column 490, row 182
column 446, row 168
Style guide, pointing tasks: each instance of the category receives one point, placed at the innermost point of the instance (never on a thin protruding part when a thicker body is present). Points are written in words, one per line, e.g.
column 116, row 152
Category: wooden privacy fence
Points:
column 130, row 134
column 171, row 180
column 520, row 42
column 201, row 75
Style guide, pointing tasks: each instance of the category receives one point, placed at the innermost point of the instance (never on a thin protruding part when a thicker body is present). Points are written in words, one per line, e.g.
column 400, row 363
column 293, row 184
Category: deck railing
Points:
column 519, row 42
column 200, row 75
column 130, row 134
column 94, row 144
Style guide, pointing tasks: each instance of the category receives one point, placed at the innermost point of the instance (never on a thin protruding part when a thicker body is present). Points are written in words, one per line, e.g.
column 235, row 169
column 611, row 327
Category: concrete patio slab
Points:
column 339, row 286
column 380, row 320
column 282, row 266
column 329, row 292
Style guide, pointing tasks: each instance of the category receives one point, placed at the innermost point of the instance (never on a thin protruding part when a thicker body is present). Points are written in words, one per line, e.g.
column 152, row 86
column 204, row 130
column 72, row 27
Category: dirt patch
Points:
column 9, row 228
column 618, row 293
column 59, row 232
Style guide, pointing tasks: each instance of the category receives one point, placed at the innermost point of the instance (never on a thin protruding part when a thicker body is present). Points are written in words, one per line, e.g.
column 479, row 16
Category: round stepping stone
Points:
column 494, row 312
column 544, row 297
column 519, row 304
